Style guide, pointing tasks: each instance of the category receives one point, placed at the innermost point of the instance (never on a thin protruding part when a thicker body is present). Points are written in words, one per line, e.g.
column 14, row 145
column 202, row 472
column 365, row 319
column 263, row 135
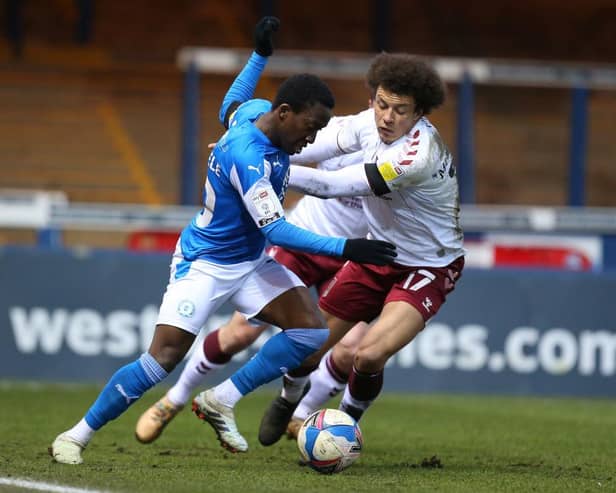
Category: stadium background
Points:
column 91, row 105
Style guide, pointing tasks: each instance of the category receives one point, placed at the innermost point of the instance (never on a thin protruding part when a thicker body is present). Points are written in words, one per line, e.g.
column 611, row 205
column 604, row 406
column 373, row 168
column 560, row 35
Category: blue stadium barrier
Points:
column 78, row 316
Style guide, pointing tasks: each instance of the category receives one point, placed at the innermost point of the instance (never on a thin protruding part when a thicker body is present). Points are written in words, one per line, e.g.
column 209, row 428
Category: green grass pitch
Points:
column 483, row 444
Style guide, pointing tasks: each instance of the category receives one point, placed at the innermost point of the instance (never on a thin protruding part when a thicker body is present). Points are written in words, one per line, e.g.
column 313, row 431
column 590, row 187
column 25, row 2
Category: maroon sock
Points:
column 212, row 351
column 335, row 371
column 365, row 386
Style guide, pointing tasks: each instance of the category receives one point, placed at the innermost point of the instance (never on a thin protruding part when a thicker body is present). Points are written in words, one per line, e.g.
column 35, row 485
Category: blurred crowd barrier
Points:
column 562, row 238
column 76, row 315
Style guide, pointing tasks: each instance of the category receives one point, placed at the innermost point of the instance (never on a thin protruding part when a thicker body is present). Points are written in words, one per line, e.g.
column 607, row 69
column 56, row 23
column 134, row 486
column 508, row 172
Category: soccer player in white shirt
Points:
column 410, row 197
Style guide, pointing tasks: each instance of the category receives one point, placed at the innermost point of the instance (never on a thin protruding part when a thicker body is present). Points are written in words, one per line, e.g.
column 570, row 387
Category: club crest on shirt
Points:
column 263, row 203
column 186, row 308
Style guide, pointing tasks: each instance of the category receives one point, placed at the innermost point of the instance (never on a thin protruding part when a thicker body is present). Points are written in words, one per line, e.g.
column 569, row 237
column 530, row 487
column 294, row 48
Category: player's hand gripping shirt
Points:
column 417, row 207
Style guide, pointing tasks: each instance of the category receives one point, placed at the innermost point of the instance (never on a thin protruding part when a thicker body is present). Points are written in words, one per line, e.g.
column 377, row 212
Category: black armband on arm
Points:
column 375, row 180
column 232, row 107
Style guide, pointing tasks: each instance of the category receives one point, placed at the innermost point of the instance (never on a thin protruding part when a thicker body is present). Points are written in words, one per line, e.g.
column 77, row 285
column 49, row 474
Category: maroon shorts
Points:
column 359, row 291
column 313, row 270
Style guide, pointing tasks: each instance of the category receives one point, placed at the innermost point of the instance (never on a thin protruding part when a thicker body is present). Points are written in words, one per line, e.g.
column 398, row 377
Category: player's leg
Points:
column 351, row 296
column 330, row 378
column 125, row 387
column 217, row 349
column 274, row 295
column 398, row 325
column 285, row 350
column 295, row 384
column 213, row 353
column 185, row 307
column 410, row 303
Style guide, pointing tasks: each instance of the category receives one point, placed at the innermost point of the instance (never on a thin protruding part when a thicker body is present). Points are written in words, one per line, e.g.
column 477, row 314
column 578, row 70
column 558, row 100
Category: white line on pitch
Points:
column 40, row 486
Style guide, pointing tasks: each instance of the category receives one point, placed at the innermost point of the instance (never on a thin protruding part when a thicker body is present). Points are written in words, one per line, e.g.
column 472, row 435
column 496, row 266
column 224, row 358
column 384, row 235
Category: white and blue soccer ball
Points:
column 329, row 440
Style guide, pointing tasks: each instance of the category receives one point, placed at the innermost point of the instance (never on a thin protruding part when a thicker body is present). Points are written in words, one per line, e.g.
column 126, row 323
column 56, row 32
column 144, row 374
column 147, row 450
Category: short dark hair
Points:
column 302, row 91
column 407, row 75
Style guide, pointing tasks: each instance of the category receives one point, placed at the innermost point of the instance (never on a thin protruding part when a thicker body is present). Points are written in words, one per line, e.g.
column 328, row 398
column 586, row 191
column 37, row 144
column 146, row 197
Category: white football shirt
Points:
column 420, row 214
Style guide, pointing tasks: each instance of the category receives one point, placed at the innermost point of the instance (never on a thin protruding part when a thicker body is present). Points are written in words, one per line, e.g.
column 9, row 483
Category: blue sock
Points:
column 281, row 353
column 126, row 386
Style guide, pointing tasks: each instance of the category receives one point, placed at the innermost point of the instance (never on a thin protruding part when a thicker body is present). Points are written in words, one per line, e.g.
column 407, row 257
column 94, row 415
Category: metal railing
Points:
column 38, row 210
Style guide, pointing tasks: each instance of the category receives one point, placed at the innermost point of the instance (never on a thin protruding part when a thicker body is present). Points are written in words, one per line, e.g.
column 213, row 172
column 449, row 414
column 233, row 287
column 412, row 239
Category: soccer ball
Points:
column 329, row 440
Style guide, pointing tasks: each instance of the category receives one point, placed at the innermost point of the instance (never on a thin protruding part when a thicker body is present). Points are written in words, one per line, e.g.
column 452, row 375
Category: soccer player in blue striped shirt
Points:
column 220, row 255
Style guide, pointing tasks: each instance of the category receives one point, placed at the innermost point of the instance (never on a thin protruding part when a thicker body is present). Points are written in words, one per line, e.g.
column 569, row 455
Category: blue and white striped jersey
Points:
column 244, row 171
column 245, row 185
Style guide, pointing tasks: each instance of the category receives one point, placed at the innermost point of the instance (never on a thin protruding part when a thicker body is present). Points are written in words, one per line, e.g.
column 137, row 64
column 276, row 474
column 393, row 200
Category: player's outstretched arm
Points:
column 351, row 181
column 267, row 212
column 335, row 139
column 243, row 87
column 360, row 250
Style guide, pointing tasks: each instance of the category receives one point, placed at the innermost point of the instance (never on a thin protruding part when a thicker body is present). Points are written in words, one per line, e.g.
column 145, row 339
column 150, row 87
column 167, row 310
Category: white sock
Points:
column 82, row 432
column 227, row 393
column 193, row 375
column 323, row 386
column 293, row 387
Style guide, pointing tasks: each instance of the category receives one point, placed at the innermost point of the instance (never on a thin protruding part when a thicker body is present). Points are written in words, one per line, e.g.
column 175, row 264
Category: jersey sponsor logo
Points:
column 264, row 204
column 186, row 308
column 266, row 208
column 267, row 220
column 446, row 168
column 350, row 202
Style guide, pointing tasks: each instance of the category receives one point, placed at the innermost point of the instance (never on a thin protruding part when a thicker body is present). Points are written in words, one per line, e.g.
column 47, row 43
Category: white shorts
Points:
column 197, row 289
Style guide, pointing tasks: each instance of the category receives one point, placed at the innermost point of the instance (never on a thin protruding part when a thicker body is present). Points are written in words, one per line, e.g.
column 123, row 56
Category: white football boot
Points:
column 66, row 450
column 221, row 418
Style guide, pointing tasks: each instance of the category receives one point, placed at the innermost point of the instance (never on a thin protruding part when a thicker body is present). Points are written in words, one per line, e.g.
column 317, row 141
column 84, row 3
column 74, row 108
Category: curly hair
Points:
column 406, row 75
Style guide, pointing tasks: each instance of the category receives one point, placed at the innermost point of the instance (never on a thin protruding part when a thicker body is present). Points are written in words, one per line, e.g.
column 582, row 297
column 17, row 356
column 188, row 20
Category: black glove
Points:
column 365, row 251
column 263, row 35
